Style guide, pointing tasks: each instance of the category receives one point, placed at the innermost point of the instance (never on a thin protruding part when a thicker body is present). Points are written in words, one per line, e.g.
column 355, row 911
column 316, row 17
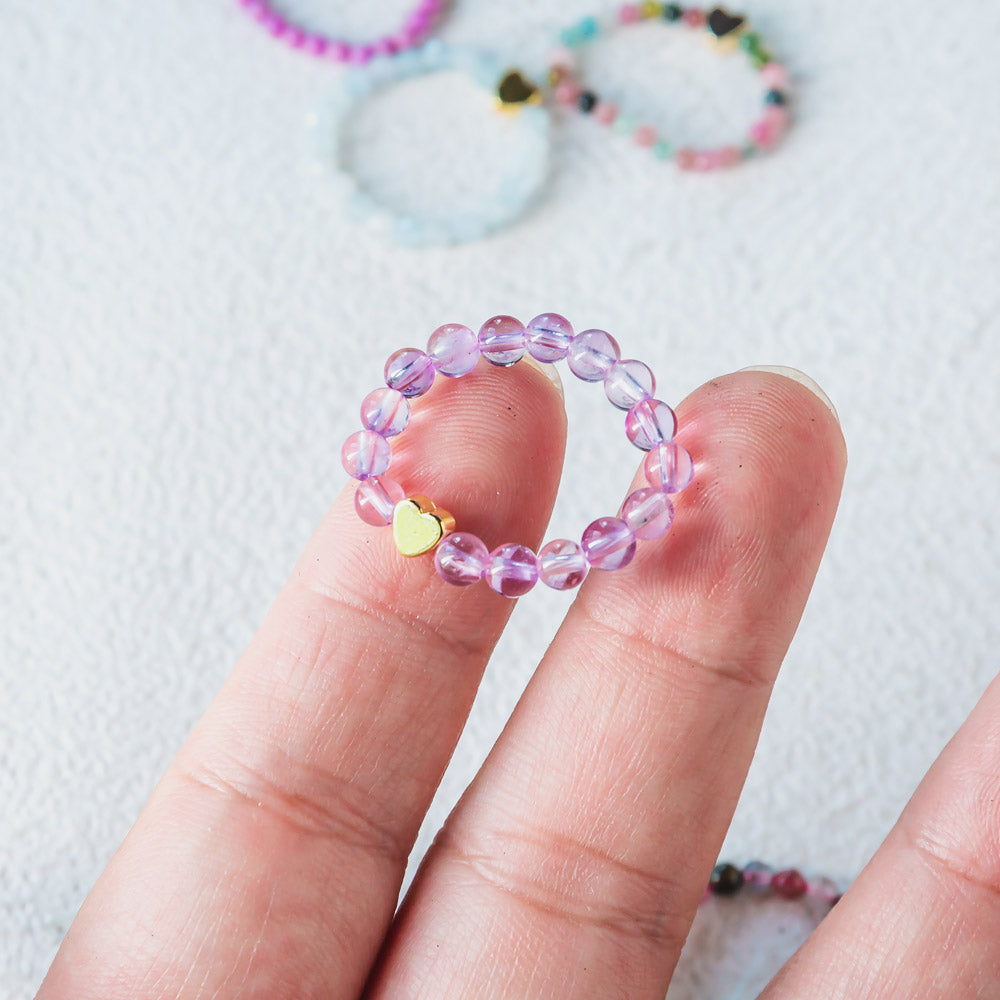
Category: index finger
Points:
column 269, row 859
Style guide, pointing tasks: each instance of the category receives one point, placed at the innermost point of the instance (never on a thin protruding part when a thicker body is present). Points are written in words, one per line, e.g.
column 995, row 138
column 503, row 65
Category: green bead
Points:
column 750, row 41
column 662, row 150
column 624, row 124
column 570, row 38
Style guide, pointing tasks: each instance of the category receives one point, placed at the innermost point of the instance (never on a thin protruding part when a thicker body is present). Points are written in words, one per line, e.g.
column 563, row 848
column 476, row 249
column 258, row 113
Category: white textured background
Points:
column 187, row 325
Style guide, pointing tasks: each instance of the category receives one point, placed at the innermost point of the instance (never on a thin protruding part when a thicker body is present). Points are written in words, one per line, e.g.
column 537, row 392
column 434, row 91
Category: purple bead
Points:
column 669, row 467
column 650, row 423
column 461, row 559
column 648, row 513
column 365, row 454
column 454, row 350
column 592, row 355
column 375, row 500
column 608, row 543
column 549, row 337
column 562, row 565
column 502, row 340
column 757, row 878
column 512, row 570
column 628, row 383
column 385, row 411
column 410, row 372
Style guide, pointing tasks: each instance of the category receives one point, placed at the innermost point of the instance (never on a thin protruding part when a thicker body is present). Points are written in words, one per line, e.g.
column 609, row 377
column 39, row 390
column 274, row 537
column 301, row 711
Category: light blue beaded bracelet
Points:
column 509, row 200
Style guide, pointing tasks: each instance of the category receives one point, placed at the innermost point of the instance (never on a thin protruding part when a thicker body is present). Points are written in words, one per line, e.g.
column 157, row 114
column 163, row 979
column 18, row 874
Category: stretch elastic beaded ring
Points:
column 529, row 166
column 727, row 30
column 512, row 569
column 418, row 25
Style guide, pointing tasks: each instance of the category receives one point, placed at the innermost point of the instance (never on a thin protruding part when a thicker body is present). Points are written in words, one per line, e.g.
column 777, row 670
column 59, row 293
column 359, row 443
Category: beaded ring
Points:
column 414, row 30
column 760, row 880
column 420, row 526
column 529, row 165
column 727, row 30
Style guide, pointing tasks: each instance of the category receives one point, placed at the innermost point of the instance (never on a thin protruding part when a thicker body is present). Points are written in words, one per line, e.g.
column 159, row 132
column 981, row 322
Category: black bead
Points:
column 726, row 880
column 587, row 101
column 722, row 23
column 673, row 11
column 775, row 97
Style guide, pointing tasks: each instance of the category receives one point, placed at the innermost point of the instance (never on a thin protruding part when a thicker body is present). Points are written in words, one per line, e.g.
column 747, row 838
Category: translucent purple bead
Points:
column 375, row 500
column 650, row 423
column 385, row 411
column 608, row 543
column 502, row 340
column 549, row 337
column 669, row 467
column 648, row 513
column 628, row 383
column 365, row 454
column 512, row 570
column 461, row 559
column 454, row 350
column 410, row 372
column 592, row 354
column 562, row 565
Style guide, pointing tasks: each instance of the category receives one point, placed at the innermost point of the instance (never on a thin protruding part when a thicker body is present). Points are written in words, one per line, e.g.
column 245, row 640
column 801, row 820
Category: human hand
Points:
column 268, row 861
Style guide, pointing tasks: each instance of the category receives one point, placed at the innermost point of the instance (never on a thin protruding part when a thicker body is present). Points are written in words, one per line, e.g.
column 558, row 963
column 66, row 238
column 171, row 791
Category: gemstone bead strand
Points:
column 728, row 31
column 512, row 569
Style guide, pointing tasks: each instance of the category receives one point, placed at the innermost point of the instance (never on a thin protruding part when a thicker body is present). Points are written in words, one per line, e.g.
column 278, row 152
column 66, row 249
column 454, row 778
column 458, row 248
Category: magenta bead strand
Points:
column 418, row 25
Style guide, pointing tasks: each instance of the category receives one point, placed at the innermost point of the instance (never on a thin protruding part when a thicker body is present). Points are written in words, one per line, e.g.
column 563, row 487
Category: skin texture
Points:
column 268, row 861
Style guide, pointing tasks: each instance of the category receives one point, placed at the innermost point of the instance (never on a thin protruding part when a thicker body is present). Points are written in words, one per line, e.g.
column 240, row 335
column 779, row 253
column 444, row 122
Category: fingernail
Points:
column 549, row 371
column 802, row 378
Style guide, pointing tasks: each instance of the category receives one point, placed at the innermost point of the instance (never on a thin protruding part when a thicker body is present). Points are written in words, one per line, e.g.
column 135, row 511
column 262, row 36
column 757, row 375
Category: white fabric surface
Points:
column 187, row 324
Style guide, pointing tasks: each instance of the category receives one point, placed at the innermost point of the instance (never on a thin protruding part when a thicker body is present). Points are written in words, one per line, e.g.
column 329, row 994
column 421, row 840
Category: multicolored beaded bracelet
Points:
column 420, row 526
column 417, row 26
column 727, row 30
column 760, row 880
column 528, row 153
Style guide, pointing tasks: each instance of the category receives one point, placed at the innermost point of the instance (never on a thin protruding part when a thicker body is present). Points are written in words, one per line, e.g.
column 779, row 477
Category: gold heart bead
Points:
column 515, row 91
column 418, row 524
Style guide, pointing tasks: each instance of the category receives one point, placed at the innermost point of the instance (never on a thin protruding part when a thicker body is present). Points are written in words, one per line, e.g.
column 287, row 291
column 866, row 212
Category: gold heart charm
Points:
column 514, row 91
column 418, row 525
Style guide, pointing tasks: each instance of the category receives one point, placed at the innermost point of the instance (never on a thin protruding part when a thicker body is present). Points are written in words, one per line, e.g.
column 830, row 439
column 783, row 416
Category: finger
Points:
column 575, row 862
column 923, row 919
column 268, row 861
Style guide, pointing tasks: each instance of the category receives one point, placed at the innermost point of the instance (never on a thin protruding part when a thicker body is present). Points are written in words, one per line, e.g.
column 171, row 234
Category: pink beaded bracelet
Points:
column 414, row 30
column 512, row 569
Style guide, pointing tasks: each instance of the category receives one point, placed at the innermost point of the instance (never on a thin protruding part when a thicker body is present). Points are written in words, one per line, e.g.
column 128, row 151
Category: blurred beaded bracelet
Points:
column 414, row 30
column 528, row 156
column 514, row 92
column 730, row 31
column 420, row 526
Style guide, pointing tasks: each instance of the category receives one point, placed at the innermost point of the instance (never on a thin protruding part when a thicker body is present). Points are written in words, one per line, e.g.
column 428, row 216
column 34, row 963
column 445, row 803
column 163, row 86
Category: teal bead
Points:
column 662, row 150
column 589, row 28
column 624, row 124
